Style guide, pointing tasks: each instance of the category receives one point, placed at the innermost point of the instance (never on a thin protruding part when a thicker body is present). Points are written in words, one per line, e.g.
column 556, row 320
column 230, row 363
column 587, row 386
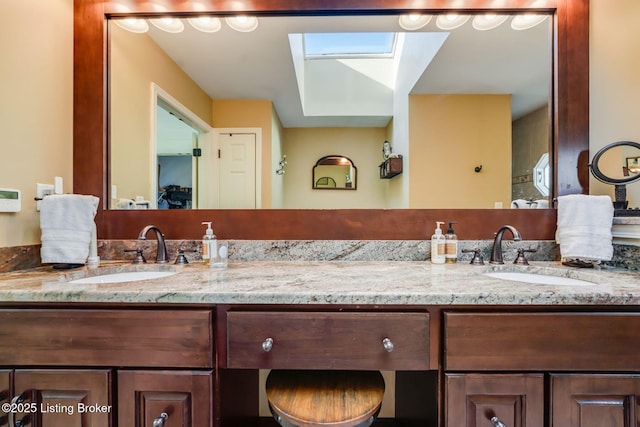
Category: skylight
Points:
column 348, row 45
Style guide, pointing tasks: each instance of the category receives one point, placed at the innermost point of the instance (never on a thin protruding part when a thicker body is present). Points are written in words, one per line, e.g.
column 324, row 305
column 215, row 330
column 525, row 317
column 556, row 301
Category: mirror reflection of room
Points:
column 471, row 97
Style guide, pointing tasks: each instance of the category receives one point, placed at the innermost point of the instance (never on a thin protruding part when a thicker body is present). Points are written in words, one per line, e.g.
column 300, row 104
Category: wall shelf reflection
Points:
column 391, row 167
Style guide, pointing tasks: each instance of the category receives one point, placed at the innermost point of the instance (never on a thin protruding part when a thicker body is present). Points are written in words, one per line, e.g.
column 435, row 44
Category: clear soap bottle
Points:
column 438, row 245
column 451, row 245
column 209, row 244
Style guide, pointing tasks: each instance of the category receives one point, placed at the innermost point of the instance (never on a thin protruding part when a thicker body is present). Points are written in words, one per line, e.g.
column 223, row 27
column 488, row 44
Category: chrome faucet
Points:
column 496, row 251
column 161, row 254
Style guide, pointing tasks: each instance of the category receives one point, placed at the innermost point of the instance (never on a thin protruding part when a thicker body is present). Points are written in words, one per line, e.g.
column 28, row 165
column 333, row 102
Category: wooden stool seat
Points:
column 307, row 398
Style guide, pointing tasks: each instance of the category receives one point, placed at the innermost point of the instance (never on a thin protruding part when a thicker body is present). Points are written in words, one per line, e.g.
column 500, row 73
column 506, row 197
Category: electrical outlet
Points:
column 41, row 191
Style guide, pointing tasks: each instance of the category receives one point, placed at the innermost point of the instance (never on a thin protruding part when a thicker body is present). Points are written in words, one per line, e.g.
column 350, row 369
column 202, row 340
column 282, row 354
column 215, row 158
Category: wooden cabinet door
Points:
column 5, row 393
column 473, row 399
column 65, row 398
column 185, row 397
column 595, row 400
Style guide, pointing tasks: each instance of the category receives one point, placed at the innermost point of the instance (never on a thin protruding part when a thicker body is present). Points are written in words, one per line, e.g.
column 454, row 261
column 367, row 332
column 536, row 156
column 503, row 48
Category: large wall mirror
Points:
column 449, row 95
column 117, row 135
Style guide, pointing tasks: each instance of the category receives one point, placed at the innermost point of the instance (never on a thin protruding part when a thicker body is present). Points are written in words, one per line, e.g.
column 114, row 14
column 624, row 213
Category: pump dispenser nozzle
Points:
column 438, row 224
column 208, row 224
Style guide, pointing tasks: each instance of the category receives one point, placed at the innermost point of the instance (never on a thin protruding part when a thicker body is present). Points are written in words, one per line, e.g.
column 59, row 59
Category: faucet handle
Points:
column 477, row 256
column 139, row 257
column 520, row 258
column 182, row 259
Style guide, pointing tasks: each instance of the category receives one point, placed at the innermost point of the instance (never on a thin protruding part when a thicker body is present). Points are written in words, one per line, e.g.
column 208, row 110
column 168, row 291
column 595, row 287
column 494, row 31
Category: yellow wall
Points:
column 253, row 113
column 304, row 146
column 136, row 63
column 36, row 112
column 36, row 69
column 452, row 134
column 614, row 82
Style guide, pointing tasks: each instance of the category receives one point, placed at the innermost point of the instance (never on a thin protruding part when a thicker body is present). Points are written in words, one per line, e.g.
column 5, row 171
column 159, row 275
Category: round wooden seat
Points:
column 307, row 398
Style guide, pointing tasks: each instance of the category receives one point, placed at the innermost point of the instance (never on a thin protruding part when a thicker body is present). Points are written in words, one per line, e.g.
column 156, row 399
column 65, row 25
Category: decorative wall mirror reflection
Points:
column 334, row 173
column 617, row 164
column 569, row 107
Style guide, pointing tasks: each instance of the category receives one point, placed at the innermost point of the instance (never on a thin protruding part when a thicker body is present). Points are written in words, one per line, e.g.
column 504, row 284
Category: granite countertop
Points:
column 343, row 282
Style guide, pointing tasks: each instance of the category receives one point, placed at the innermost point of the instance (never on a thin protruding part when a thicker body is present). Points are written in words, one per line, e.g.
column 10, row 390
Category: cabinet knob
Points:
column 12, row 414
column 267, row 344
column 388, row 345
column 159, row 422
column 497, row 423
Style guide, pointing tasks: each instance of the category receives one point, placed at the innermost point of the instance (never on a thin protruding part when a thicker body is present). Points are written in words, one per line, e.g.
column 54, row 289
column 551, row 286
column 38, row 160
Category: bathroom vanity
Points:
column 186, row 350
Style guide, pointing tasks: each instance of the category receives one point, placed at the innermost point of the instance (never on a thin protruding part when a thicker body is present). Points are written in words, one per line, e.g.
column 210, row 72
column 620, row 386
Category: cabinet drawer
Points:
column 542, row 341
column 321, row 340
column 152, row 338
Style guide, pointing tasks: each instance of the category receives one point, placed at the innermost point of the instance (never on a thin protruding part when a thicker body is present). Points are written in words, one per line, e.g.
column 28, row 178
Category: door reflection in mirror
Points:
column 177, row 157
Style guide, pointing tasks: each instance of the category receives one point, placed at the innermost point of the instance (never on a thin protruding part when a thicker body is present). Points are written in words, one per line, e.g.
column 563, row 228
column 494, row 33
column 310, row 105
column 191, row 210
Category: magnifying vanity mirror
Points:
column 402, row 217
column 619, row 164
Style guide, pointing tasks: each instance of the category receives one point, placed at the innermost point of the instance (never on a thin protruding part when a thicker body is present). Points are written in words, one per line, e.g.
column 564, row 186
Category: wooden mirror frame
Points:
column 569, row 119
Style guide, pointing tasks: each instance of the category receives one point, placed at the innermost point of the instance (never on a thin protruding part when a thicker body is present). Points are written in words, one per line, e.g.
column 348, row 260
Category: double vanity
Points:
column 535, row 345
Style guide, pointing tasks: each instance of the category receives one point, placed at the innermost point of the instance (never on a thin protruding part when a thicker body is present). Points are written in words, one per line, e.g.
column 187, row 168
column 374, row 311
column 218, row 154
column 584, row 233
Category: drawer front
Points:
column 542, row 341
column 151, row 338
column 321, row 340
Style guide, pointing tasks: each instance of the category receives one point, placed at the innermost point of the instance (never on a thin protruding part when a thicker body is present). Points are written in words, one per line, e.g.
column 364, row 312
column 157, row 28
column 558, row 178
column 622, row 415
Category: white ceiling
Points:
column 258, row 65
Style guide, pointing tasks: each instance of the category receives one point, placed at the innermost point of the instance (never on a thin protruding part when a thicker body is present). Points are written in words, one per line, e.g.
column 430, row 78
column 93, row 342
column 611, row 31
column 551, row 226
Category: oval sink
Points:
column 541, row 279
column 131, row 276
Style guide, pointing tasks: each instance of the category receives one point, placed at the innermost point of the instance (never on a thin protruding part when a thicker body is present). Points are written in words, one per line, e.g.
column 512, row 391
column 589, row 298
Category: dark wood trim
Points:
column 90, row 157
column 341, row 224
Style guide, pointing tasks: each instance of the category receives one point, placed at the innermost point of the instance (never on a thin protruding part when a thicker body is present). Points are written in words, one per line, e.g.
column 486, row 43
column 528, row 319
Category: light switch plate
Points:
column 42, row 190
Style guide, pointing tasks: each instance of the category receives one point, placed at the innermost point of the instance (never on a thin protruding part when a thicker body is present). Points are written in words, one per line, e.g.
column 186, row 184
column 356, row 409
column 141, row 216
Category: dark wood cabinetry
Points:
column 595, row 400
column 183, row 398
column 103, row 347
column 454, row 367
column 328, row 340
column 58, row 397
column 560, row 346
column 515, row 399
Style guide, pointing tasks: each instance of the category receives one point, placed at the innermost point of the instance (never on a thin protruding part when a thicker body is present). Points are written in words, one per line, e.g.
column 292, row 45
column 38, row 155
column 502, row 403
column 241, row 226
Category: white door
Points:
column 237, row 173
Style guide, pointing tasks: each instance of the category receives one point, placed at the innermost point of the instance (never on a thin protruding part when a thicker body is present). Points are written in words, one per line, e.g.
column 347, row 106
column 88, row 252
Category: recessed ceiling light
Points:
column 170, row 25
column 206, row 24
column 133, row 25
column 413, row 21
column 526, row 21
column 488, row 21
column 242, row 23
column 451, row 21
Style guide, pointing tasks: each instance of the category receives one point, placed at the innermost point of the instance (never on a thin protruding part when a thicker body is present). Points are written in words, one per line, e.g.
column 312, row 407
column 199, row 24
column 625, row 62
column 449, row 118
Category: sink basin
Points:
column 131, row 276
column 541, row 279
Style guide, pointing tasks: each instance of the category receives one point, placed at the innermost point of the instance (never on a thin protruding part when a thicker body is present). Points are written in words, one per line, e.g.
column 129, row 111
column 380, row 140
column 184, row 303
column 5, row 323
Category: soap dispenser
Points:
column 438, row 242
column 451, row 245
column 209, row 244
